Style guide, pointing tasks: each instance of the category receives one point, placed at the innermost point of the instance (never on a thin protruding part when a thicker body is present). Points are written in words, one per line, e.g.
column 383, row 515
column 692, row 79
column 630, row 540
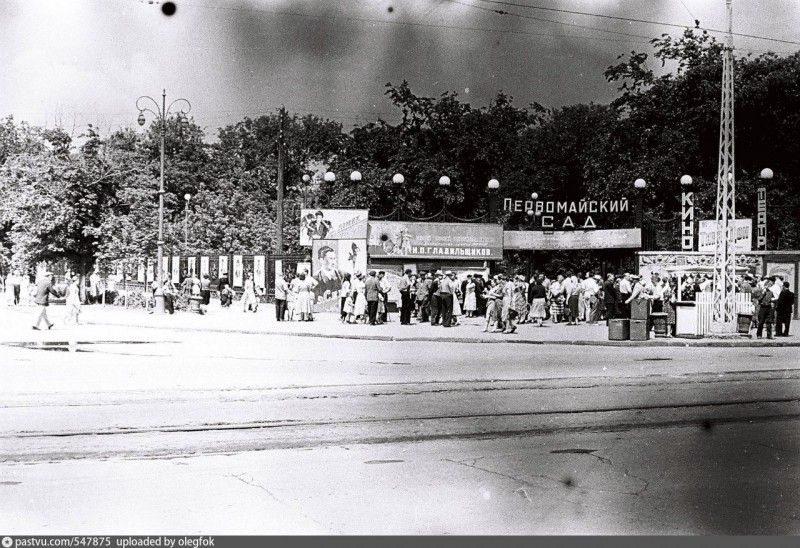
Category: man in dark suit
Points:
column 610, row 298
column 44, row 288
column 783, row 311
column 372, row 293
column 434, row 298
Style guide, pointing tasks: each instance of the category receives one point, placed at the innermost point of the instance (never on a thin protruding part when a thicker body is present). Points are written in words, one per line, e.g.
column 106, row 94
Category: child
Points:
column 226, row 297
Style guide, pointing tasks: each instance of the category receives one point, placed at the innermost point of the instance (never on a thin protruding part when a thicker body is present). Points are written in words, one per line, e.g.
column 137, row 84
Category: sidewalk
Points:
column 15, row 325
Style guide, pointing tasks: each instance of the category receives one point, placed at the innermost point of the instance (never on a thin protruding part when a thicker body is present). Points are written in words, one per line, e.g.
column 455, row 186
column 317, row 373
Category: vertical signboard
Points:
column 761, row 238
column 687, row 221
column 140, row 272
column 176, row 270
column 259, row 271
column 238, row 271
column 223, row 267
column 192, row 266
column 203, row 266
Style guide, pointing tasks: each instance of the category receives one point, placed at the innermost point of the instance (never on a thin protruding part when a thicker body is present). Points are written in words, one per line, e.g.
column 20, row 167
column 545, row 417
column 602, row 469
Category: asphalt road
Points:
column 226, row 433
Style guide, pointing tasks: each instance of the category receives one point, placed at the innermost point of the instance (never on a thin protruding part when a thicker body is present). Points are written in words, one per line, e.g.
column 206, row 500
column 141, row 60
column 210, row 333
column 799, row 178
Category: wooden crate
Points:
column 639, row 331
column 619, row 330
column 640, row 309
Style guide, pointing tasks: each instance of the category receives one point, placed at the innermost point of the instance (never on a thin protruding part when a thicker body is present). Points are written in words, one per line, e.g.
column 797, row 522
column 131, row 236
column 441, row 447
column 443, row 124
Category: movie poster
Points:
column 259, row 271
column 331, row 260
column 223, row 267
column 191, row 266
column 203, row 266
column 332, row 224
column 140, row 272
column 238, row 271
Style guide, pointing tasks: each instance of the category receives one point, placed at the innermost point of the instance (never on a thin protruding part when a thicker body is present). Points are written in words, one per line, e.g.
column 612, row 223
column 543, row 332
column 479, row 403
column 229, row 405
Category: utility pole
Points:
column 281, row 169
column 724, row 320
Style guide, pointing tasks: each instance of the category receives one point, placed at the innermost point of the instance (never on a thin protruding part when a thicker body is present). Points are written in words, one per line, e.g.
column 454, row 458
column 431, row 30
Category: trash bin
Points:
column 659, row 323
column 743, row 323
column 640, row 309
column 194, row 303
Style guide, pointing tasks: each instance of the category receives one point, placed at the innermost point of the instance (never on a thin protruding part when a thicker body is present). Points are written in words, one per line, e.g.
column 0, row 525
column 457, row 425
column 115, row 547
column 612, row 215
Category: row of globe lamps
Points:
column 398, row 178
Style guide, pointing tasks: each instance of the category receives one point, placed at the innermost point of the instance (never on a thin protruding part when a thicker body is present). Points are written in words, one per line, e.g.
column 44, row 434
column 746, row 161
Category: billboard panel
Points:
column 331, row 259
column 622, row 238
column 707, row 235
column 332, row 224
column 435, row 240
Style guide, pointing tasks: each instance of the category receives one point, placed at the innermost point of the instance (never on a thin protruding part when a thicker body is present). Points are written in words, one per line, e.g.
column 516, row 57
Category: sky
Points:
column 75, row 62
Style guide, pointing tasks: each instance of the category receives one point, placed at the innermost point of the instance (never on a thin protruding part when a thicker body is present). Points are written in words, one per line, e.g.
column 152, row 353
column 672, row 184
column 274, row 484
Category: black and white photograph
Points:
column 485, row 269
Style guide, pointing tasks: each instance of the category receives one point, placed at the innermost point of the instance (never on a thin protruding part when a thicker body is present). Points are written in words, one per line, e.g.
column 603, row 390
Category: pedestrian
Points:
column 557, row 299
column 423, row 300
column 668, row 297
column 344, row 293
column 457, row 299
column 434, row 297
column 446, row 290
column 359, row 298
column 610, row 298
column 591, row 295
column 383, row 297
column 73, row 302
column 783, row 311
column 520, row 298
column 281, row 288
column 205, row 293
column 44, row 288
column 404, row 285
column 492, row 293
column 305, row 297
column 470, row 297
column 625, row 289
column 226, row 296
column 249, row 295
column 15, row 282
column 372, row 290
column 537, row 294
column 765, row 310
column 509, row 313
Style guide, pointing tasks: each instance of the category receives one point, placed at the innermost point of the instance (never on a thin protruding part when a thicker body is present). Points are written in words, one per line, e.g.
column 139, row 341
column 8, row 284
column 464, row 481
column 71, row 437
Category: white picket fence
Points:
column 705, row 309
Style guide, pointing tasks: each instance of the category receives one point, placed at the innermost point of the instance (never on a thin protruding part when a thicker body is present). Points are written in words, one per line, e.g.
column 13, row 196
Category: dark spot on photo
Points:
column 168, row 8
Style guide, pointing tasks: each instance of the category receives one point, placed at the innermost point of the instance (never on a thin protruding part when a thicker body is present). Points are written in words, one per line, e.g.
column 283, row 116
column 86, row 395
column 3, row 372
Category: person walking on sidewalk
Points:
column 44, row 288
column 423, row 300
column 610, row 298
column 404, row 285
column 249, row 296
column 435, row 298
column 15, row 281
column 446, row 290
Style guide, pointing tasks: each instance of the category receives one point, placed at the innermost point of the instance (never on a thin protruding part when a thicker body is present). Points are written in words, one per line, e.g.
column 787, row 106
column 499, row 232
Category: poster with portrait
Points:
column 332, row 224
column 331, row 260
column 203, row 266
column 140, row 272
column 176, row 270
column 223, row 267
column 238, row 271
column 191, row 266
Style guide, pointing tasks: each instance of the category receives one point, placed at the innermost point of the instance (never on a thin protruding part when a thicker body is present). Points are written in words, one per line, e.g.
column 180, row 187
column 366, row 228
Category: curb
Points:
column 390, row 338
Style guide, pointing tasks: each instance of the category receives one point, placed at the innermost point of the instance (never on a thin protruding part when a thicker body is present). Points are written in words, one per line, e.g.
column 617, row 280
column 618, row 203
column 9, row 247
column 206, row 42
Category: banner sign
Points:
column 204, row 266
column 687, row 221
column 548, row 210
column 332, row 224
column 435, row 240
column 238, row 271
column 618, row 238
column 176, row 270
column 761, row 242
column 223, row 267
column 331, row 260
column 743, row 235
column 260, row 270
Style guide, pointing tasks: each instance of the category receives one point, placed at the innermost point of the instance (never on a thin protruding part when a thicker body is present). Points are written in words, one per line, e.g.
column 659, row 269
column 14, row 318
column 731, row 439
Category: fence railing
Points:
column 705, row 309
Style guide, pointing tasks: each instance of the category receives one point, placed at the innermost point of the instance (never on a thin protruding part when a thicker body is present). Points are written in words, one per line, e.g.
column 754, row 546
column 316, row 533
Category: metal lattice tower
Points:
column 724, row 255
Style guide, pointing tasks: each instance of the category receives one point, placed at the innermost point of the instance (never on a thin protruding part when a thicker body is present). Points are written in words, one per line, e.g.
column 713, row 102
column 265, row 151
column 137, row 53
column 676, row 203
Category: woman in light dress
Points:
column 73, row 302
column 360, row 298
column 470, row 299
column 305, row 297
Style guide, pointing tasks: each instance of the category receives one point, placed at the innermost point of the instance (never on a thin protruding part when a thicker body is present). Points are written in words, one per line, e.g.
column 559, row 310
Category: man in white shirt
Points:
column 590, row 291
column 573, row 290
column 625, row 290
column 385, row 287
column 281, row 287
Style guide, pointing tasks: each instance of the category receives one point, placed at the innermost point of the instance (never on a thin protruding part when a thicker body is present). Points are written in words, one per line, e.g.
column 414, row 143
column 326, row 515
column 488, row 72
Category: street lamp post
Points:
column 161, row 114
column 687, row 214
column 444, row 182
column 492, row 186
column 639, row 185
column 186, row 197
column 306, row 180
